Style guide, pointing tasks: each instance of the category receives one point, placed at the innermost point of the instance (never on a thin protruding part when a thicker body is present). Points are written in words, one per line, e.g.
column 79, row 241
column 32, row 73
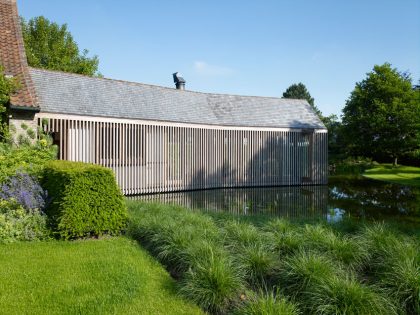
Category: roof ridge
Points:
column 162, row 87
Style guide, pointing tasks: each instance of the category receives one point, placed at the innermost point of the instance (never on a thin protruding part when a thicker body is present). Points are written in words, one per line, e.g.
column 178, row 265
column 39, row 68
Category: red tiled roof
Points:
column 13, row 57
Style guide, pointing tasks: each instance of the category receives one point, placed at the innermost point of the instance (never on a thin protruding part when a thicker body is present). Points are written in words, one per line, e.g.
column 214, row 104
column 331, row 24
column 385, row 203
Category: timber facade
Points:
column 149, row 157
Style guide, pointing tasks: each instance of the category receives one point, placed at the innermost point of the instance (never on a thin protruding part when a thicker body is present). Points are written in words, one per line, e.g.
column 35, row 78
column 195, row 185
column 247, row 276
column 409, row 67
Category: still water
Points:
column 355, row 198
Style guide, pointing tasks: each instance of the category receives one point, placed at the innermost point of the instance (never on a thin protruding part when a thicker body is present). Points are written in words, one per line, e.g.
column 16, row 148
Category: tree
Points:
column 382, row 116
column 7, row 86
column 299, row 91
column 335, row 139
column 51, row 46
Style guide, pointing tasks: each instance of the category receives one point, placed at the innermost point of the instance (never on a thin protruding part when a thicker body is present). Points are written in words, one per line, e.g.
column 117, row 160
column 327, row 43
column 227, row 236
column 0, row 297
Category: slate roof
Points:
column 13, row 57
column 65, row 93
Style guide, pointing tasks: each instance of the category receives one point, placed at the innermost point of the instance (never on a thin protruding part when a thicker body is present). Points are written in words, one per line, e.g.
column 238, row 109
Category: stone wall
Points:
column 20, row 121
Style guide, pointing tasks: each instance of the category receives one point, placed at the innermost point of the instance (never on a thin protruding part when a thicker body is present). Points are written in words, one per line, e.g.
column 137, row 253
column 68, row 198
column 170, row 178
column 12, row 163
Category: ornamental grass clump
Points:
column 259, row 264
column 268, row 304
column 347, row 296
column 238, row 235
column 304, row 270
column 349, row 251
column 251, row 250
column 177, row 237
column 215, row 284
column 395, row 265
column 284, row 237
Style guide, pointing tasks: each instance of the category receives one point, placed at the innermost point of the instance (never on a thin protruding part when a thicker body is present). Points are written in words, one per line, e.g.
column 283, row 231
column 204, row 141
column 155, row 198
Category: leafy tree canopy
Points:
column 7, row 86
column 382, row 116
column 299, row 91
column 51, row 46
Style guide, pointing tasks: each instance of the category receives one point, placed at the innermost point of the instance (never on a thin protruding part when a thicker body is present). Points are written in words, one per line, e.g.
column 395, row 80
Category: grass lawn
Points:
column 404, row 175
column 106, row 276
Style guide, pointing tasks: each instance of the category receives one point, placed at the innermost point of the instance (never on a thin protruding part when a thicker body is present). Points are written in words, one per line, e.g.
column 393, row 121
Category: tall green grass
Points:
column 251, row 251
column 224, row 265
column 268, row 304
column 395, row 264
column 347, row 296
column 215, row 284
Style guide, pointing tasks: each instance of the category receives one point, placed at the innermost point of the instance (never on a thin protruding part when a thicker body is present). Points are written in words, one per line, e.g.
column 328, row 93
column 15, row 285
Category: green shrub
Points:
column 29, row 159
column 268, row 304
column 351, row 166
column 20, row 224
column 85, row 199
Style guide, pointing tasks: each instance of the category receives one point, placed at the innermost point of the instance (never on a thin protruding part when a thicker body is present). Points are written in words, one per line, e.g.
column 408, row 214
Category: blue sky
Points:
column 244, row 47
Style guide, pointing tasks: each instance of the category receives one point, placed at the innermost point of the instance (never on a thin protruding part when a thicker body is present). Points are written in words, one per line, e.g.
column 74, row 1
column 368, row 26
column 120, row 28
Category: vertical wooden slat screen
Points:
column 151, row 158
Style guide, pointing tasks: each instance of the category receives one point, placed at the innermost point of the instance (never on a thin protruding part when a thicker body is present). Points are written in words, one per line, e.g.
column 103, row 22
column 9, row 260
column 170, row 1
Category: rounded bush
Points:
column 85, row 199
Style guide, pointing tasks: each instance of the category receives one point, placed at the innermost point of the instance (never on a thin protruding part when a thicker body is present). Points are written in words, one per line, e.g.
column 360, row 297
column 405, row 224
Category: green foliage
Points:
column 299, row 91
column 336, row 144
column 347, row 296
column 26, row 158
column 395, row 261
column 255, row 256
column 305, row 269
column 85, row 199
column 189, row 245
column 351, row 166
column 51, row 46
column 213, row 284
column 346, row 250
column 19, row 224
column 268, row 304
column 381, row 118
column 223, row 266
column 7, row 86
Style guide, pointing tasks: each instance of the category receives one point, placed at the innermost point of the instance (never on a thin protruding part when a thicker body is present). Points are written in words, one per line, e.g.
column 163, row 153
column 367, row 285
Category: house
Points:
column 159, row 139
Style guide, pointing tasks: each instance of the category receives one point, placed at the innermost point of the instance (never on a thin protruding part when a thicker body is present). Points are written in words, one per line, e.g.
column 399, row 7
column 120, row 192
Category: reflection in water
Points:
column 293, row 202
column 357, row 198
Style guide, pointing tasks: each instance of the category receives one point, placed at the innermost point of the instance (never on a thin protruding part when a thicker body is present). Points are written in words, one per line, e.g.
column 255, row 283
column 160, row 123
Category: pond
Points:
column 341, row 198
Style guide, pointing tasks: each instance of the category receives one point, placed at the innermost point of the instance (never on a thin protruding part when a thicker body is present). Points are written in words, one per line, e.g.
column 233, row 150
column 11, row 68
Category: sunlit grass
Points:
column 404, row 175
column 106, row 276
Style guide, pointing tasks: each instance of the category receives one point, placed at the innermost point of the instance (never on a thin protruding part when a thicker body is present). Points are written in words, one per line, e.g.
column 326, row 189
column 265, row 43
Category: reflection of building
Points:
column 309, row 202
column 163, row 139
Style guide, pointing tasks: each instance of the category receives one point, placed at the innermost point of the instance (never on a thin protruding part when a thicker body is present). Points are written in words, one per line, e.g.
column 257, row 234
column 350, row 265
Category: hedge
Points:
column 84, row 200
